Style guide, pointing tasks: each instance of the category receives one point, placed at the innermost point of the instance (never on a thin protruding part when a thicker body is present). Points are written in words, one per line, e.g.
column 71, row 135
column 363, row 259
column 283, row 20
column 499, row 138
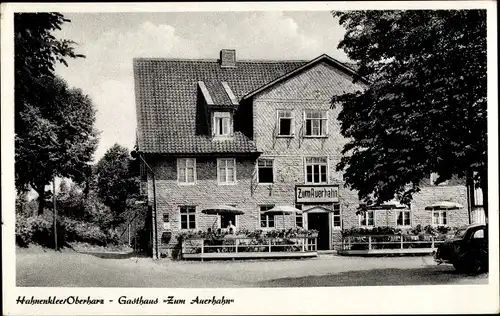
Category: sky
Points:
column 111, row 40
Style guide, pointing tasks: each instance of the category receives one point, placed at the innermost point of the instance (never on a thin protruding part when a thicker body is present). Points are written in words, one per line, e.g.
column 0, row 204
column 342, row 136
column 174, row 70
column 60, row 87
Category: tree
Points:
column 37, row 52
column 425, row 107
column 60, row 140
column 117, row 180
column 54, row 134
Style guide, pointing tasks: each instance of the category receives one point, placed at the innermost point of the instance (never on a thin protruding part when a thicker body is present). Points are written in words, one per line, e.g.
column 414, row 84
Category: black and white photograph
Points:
column 255, row 158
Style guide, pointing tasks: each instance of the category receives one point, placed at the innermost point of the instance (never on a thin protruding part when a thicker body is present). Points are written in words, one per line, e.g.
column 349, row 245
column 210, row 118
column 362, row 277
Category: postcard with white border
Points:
column 250, row 158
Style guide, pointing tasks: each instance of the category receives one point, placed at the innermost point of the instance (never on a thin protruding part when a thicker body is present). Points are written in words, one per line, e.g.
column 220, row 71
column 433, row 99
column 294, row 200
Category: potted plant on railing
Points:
column 313, row 233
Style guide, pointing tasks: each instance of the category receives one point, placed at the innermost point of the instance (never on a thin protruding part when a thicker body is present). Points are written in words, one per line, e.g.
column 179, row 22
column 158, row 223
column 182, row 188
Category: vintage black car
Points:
column 467, row 250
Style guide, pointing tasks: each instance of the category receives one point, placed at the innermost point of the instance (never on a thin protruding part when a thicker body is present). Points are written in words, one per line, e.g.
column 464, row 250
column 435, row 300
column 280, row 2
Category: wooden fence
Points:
column 245, row 247
column 389, row 244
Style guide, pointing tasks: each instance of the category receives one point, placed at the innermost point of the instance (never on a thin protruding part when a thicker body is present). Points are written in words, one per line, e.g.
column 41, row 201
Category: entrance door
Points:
column 319, row 222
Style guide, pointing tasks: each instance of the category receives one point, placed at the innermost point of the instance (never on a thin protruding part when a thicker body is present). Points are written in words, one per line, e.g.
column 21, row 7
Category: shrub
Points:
column 24, row 233
column 39, row 230
column 81, row 231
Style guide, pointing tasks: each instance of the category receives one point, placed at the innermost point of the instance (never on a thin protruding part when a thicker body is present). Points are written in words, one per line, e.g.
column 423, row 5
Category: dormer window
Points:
column 223, row 124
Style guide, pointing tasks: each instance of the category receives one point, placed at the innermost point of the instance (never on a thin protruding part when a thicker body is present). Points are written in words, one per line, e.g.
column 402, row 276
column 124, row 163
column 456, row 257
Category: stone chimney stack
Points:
column 227, row 58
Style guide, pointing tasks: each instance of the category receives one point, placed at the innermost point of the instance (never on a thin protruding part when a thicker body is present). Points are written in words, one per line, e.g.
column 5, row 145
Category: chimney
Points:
column 228, row 58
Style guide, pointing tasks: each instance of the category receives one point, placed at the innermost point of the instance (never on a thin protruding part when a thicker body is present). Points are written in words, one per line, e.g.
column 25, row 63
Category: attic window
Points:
column 222, row 124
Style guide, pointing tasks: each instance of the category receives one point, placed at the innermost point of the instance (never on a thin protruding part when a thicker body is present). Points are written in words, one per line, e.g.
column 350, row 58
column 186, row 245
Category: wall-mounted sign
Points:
column 166, row 225
column 316, row 193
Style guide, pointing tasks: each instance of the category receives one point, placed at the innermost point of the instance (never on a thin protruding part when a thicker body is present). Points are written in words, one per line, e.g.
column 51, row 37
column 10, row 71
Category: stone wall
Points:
column 312, row 89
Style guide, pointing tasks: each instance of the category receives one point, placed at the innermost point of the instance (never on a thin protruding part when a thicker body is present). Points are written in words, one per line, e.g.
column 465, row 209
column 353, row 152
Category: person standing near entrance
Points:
column 231, row 228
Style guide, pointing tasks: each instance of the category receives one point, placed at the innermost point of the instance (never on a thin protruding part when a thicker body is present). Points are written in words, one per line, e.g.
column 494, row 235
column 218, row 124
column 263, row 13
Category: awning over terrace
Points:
column 388, row 206
column 444, row 205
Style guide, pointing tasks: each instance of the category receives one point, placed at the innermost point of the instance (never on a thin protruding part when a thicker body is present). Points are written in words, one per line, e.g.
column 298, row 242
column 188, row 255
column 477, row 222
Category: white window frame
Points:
column 299, row 215
column 219, row 161
column 274, row 171
column 215, row 127
column 267, row 217
column 324, row 119
column 292, row 123
column 339, row 216
column 327, row 164
column 434, row 176
column 397, row 215
column 187, row 214
column 365, row 215
column 185, row 182
column 440, row 218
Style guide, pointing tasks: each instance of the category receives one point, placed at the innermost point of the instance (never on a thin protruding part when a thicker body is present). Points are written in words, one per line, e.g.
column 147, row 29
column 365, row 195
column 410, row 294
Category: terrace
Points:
column 390, row 240
column 389, row 244
column 291, row 243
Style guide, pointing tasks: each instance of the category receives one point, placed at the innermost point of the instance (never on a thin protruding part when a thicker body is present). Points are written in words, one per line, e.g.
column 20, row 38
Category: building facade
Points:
column 255, row 134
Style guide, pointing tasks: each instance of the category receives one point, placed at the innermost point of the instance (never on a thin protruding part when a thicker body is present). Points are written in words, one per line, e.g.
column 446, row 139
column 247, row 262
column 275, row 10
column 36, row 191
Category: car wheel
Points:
column 474, row 263
column 458, row 266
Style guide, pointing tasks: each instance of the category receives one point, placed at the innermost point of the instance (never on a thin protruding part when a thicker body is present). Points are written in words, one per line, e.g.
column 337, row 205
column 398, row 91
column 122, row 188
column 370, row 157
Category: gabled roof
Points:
column 166, row 101
column 169, row 120
column 322, row 58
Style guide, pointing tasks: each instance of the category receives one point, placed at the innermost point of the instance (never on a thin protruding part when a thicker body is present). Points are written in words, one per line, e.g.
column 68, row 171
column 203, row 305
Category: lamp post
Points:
column 55, row 210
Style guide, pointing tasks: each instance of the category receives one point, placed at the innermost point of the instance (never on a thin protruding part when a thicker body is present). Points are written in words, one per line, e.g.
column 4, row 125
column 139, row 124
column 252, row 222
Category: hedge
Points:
column 40, row 230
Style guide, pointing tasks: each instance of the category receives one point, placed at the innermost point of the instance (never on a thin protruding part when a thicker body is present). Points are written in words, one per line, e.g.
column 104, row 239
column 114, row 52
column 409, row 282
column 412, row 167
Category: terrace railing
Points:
column 248, row 244
column 372, row 242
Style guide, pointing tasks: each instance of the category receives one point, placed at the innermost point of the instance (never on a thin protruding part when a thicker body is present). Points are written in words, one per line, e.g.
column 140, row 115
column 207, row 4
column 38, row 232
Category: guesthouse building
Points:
column 254, row 134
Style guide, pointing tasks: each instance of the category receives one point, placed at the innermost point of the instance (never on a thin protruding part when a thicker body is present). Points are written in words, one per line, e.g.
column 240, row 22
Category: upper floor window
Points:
column 316, row 170
column 265, row 172
column 285, row 123
column 186, row 170
column 434, row 176
column 316, row 122
column 222, row 125
column 226, row 170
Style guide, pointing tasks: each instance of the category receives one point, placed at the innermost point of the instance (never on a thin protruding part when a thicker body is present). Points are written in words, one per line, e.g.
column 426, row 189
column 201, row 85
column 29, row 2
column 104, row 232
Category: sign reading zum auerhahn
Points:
column 316, row 193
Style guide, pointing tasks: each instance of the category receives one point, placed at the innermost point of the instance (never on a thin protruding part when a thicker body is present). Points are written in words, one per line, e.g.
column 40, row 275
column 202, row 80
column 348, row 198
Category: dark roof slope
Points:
column 166, row 100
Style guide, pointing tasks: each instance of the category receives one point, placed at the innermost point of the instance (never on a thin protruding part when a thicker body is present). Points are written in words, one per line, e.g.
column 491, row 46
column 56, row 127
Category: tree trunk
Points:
column 40, row 189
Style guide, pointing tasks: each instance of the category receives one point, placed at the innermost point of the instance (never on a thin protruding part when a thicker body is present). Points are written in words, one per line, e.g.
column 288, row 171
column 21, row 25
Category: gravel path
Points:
column 87, row 270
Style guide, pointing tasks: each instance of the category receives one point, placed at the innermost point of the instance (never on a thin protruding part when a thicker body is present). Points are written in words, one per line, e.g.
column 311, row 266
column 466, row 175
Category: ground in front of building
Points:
column 72, row 269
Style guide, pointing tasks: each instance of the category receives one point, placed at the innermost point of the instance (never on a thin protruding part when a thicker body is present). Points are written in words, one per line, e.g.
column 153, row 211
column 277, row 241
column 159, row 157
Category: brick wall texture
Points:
column 312, row 89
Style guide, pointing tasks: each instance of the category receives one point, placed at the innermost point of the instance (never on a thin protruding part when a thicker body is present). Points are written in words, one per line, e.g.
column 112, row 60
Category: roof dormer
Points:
column 220, row 105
